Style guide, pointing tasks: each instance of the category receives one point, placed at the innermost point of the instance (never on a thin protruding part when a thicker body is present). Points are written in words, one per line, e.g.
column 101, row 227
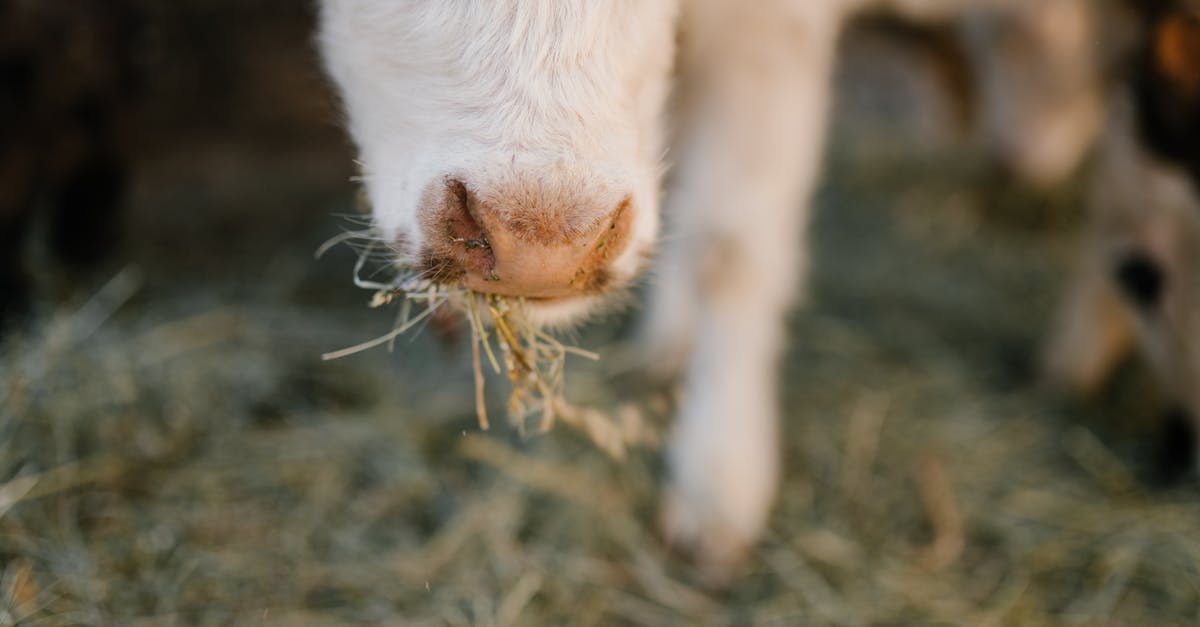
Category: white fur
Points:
column 491, row 90
column 746, row 166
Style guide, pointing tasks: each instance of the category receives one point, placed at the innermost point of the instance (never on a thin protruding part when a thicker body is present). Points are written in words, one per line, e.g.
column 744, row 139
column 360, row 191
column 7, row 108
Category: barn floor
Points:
column 174, row 451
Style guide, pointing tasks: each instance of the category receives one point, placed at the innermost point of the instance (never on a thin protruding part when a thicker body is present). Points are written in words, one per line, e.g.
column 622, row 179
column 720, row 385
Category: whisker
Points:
column 385, row 338
column 356, row 218
column 343, row 237
column 366, row 284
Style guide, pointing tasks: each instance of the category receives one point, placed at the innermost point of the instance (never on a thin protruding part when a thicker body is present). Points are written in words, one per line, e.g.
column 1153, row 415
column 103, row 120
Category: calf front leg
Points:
column 755, row 84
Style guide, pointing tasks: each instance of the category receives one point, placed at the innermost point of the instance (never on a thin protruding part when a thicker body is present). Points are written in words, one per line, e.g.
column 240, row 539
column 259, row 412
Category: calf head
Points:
column 509, row 147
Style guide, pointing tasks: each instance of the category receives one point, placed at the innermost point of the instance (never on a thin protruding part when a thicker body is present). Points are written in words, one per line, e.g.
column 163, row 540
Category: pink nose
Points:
column 524, row 242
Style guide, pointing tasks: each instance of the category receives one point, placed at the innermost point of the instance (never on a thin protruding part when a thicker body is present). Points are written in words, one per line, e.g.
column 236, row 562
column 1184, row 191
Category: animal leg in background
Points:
column 755, row 88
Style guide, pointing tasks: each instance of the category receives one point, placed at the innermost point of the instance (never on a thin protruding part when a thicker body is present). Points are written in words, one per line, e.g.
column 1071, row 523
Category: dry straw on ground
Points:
column 178, row 454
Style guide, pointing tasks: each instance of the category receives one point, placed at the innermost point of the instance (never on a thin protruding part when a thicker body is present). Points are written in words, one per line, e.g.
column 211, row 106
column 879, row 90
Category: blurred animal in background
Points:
column 68, row 73
column 1138, row 284
column 1024, row 78
column 504, row 146
column 1040, row 82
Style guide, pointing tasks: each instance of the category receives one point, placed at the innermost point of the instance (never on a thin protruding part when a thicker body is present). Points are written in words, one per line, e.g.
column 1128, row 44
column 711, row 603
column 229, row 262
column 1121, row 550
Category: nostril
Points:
column 461, row 226
column 459, row 243
column 606, row 242
column 1141, row 279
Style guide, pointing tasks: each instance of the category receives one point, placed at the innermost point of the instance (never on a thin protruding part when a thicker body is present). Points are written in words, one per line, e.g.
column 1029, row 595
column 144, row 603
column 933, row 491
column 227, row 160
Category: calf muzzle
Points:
column 525, row 244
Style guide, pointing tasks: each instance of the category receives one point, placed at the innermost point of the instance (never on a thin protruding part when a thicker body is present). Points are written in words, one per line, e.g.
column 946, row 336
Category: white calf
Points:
column 533, row 128
column 504, row 142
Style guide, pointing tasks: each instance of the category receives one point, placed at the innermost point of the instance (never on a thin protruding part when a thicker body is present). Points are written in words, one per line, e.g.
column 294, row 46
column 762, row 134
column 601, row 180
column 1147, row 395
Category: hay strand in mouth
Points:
column 477, row 325
column 344, row 237
column 385, row 338
column 477, row 370
column 532, row 360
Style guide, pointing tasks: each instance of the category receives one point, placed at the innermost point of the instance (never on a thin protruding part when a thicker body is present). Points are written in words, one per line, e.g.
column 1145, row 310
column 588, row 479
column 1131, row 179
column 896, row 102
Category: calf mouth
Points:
column 602, row 293
column 448, row 270
column 605, row 291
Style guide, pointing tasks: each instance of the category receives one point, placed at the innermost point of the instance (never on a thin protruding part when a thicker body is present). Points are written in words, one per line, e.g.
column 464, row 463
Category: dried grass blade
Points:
column 402, row 317
column 344, row 236
column 383, row 339
column 477, row 369
column 358, row 266
column 477, row 326
column 509, row 338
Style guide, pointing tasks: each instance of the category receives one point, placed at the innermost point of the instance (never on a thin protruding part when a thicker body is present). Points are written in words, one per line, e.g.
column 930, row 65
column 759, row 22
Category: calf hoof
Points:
column 723, row 480
column 717, row 548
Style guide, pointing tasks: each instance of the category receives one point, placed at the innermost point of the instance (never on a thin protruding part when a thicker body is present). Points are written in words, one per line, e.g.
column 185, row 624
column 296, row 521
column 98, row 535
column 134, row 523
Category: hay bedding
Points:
column 162, row 468
column 176, row 454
